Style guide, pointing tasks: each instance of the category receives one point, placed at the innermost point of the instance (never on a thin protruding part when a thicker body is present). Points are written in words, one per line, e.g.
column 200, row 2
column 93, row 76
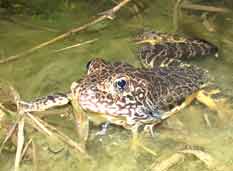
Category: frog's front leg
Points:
column 44, row 103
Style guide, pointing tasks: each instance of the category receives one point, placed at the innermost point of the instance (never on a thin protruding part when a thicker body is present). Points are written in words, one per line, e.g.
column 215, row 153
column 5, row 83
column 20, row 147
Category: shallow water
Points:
column 46, row 71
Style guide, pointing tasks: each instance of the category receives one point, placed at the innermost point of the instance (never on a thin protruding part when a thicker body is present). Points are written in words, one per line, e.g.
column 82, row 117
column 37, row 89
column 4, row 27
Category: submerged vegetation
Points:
column 45, row 45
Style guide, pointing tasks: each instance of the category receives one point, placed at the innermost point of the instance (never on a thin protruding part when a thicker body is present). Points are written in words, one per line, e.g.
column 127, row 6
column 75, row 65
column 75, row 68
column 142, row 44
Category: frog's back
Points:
column 170, row 86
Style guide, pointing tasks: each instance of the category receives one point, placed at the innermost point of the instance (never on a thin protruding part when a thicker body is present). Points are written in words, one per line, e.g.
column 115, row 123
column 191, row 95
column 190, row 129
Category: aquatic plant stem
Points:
column 168, row 163
column 104, row 15
column 76, row 45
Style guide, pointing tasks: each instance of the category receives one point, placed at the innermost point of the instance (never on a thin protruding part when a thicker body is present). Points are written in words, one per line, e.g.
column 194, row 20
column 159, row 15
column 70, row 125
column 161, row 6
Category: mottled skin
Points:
column 162, row 48
column 122, row 94
column 147, row 94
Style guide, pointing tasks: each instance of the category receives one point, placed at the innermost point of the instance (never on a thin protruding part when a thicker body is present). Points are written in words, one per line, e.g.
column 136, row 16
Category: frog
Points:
column 133, row 97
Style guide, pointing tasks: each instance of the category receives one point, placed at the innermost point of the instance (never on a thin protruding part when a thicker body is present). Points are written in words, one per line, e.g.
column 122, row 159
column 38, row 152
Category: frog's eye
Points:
column 88, row 64
column 120, row 83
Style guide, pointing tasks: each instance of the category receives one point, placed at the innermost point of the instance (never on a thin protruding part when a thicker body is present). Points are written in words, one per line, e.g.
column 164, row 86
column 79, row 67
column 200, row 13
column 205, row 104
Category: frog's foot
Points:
column 43, row 103
column 136, row 143
column 215, row 103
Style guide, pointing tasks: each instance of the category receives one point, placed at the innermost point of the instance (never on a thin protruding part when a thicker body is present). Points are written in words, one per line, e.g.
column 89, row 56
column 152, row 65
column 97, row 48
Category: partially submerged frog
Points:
column 131, row 97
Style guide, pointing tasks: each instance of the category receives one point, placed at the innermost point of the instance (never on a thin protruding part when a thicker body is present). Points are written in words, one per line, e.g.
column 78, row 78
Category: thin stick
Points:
column 9, row 134
column 105, row 15
column 168, row 163
column 207, row 121
column 26, row 148
column 34, row 156
column 76, row 45
column 204, row 8
column 64, row 138
column 20, row 143
column 208, row 160
column 176, row 14
column 39, row 124
column 150, row 151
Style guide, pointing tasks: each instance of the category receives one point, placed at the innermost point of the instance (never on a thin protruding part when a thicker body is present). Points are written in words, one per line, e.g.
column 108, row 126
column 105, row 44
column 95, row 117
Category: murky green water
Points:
column 46, row 71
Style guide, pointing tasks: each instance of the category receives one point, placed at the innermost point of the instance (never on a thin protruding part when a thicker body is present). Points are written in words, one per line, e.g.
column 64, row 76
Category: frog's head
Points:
column 112, row 89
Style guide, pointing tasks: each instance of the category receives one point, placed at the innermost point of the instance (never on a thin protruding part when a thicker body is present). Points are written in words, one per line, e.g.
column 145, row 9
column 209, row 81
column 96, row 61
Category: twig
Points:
column 207, row 121
column 208, row 160
column 76, row 45
column 168, row 163
column 20, row 143
column 176, row 14
column 105, row 15
column 147, row 149
column 204, row 8
column 26, row 148
column 9, row 134
column 34, row 156
column 54, row 132
column 38, row 123
column 203, row 156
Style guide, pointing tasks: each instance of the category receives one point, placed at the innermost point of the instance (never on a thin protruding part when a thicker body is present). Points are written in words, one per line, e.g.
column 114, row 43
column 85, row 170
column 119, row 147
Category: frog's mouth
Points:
column 116, row 110
column 93, row 102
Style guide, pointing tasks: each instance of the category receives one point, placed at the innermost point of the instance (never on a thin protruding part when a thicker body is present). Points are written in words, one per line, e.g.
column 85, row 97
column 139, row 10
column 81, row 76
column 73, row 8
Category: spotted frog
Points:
column 133, row 97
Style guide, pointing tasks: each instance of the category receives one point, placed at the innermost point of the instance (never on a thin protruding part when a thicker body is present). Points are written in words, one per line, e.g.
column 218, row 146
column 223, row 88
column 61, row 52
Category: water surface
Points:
column 45, row 71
